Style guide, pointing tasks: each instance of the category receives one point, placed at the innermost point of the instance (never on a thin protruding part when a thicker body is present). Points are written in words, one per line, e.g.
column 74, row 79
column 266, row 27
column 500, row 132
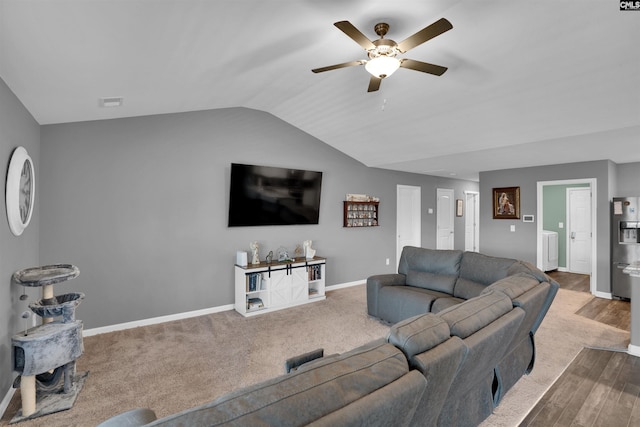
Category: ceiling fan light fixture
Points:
column 382, row 66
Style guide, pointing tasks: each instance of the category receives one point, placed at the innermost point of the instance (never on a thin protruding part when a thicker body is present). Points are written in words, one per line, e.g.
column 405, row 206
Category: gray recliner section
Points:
column 423, row 282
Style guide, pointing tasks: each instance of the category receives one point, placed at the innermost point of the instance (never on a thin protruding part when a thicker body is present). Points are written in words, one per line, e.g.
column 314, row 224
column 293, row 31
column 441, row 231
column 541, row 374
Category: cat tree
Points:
column 46, row 354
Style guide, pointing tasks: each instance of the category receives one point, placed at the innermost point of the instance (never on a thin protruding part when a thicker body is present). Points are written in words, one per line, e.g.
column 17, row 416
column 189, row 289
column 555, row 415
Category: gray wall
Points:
column 140, row 206
column 628, row 177
column 495, row 237
column 17, row 127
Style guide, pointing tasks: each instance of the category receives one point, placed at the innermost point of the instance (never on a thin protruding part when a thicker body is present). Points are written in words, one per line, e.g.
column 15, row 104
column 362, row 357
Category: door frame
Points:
column 476, row 218
column 452, row 203
column 568, row 215
column 418, row 212
column 593, row 183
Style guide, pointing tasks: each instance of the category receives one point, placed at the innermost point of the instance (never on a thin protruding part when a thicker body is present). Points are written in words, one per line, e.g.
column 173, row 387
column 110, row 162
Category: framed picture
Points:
column 458, row 207
column 506, row 203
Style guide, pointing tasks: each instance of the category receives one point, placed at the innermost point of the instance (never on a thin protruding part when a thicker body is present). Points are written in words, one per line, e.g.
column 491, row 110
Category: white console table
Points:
column 265, row 287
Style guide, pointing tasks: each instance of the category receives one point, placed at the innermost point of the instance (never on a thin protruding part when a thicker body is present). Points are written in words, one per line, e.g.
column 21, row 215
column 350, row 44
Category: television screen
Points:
column 265, row 195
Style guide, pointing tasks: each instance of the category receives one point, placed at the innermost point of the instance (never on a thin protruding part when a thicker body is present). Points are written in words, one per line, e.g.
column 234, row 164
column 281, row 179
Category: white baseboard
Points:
column 5, row 402
column 345, row 285
column 634, row 350
column 155, row 320
column 186, row 315
column 605, row 295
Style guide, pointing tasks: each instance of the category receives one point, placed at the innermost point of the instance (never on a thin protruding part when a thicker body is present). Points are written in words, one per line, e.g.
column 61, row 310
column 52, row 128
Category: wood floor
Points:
column 600, row 387
column 614, row 313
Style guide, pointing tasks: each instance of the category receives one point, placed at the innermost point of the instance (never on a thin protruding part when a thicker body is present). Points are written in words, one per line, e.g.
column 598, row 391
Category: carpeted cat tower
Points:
column 45, row 355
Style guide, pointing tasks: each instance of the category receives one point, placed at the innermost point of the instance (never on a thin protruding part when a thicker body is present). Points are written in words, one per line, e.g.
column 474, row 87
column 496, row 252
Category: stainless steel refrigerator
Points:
column 625, row 243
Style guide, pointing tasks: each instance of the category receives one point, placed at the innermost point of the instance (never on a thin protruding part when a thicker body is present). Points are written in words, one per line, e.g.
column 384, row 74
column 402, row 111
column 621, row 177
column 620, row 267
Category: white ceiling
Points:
column 529, row 82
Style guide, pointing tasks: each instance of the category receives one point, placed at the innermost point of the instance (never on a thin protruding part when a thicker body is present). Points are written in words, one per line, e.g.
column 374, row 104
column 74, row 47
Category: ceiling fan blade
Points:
column 335, row 67
column 425, row 67
column 427, row 33
column 355, row 34
column 374, row 84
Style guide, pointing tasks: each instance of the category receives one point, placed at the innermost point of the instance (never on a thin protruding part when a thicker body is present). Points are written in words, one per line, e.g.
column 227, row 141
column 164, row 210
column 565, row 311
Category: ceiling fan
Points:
column 383, row 52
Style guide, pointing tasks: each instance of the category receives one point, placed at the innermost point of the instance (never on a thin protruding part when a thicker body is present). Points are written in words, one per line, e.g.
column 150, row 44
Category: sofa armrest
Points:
column 295, row 362
column 375, row 283
column 133, row 418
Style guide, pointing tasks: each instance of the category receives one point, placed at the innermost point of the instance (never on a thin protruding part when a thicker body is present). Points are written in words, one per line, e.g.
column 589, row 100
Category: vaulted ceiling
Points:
column 528, row 82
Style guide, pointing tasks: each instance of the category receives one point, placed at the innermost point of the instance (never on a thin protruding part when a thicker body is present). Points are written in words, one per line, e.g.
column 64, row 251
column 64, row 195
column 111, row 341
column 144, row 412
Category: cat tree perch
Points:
column 46, row 353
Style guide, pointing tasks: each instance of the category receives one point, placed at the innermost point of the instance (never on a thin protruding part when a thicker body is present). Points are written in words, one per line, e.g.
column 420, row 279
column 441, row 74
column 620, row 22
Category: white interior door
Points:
column 579, row 229
column 408, row 218
column 471, row 214
column 444, row 218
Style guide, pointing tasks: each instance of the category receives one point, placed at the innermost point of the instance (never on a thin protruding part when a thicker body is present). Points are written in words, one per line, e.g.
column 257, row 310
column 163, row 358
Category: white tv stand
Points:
column 265, row 287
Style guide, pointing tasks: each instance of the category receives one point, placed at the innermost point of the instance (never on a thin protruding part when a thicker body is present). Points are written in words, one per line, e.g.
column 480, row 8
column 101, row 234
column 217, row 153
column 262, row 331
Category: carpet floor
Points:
column 177, row 365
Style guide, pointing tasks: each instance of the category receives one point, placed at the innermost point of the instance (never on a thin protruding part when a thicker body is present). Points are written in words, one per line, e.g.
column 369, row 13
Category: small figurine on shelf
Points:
column 283, row 254
column 309, row 252
column 254, row 248
column 297, row 252
column 269, row 257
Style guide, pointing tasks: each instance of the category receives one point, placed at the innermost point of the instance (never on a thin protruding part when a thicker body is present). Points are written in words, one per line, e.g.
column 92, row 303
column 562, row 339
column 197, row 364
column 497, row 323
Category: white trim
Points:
column 416, row 196
column 186, row 315
column 7, row 399
column 345, row 285
column 475, row 219
column 634, row 350
column 605, row 295
column 593, row 183
column 155, row 320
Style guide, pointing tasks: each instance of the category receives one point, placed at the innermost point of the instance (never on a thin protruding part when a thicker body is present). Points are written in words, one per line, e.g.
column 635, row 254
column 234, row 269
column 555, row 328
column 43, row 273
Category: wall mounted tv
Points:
column 266, row 195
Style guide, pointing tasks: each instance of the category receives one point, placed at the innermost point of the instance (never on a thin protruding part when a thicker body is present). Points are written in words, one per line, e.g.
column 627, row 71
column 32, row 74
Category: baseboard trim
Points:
column 5, row 402
column 154, row 320
column 634, row 350
column 185, row 315
column 605, row 295
column 345, row 285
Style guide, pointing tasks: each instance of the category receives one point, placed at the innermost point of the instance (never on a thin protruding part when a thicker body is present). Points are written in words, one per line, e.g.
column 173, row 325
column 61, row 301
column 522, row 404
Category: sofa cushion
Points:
column 527, row 267
column 514, row 286
column 484, row 269
column 418, row 334
column 427, row 280
column 397, row 303
column 474, row 314
column 443, row 303
column 445, row 262
column 306, row 395
column 477, row 271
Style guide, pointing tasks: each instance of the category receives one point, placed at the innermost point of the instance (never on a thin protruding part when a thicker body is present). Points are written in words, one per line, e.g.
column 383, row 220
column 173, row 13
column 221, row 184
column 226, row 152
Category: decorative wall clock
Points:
column 20, row 191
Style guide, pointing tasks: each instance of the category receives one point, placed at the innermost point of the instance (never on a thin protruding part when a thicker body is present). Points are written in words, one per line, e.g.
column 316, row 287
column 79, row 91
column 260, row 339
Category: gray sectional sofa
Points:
column 447, row 366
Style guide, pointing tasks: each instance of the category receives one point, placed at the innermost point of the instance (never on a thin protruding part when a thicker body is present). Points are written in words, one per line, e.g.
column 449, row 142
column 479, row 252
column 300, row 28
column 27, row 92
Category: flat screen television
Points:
column 266, row 195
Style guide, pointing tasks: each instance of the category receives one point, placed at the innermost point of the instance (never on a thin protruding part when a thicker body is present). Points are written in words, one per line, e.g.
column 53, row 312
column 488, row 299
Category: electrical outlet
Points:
column 513, row 228
column 561, row 225
column 387, row 261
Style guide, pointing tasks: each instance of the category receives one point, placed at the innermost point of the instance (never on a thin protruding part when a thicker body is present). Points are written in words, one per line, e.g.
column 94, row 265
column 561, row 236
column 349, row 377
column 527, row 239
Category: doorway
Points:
column 584, row 202
column 471, row 221
column 444, row 218
column 579, row 230
column 408, row 218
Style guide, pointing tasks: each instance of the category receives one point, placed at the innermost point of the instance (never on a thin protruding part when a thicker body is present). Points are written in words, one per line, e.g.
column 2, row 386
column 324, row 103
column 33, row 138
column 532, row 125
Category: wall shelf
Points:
column 361, row 214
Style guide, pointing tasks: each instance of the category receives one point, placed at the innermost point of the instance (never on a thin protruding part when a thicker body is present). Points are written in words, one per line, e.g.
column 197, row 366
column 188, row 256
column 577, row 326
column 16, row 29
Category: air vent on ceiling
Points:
column 114, row 101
